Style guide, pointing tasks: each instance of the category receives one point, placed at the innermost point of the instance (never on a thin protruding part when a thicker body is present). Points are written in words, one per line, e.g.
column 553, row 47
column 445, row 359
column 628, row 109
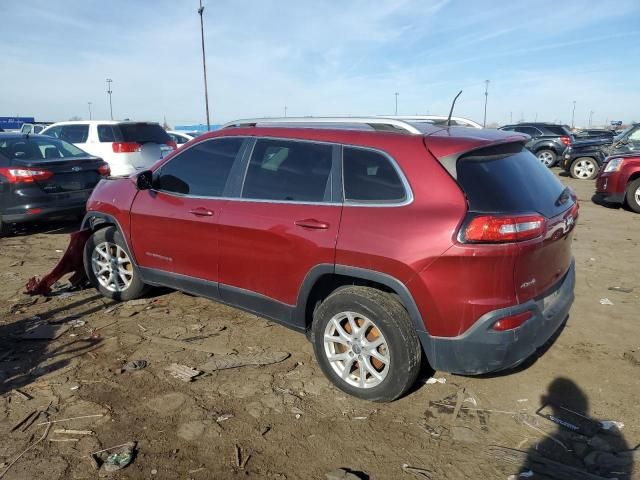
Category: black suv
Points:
column 548, row 141
column 583, row 158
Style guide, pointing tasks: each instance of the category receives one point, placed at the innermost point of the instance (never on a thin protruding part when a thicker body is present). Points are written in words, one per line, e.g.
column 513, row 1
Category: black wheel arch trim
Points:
column 93, row 220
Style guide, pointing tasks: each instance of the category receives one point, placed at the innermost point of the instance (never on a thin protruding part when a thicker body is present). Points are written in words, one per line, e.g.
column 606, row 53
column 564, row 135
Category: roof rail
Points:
column 375, row 123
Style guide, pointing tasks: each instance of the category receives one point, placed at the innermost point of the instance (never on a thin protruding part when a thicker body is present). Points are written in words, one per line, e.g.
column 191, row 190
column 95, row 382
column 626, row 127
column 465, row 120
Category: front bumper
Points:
column 481, row 349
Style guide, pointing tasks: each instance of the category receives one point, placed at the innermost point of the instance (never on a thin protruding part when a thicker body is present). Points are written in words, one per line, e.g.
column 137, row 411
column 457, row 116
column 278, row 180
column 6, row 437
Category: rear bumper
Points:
column 481, row 349
column 51, row 213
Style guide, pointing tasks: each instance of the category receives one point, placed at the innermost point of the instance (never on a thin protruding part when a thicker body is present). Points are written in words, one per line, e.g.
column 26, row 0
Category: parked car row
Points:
column 548, row 141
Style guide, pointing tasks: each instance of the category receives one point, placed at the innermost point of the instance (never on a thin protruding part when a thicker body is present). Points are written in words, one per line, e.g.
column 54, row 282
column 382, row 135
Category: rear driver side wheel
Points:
column 584, row 168
column 547, row 157
column 110, row 268
column 365, row 343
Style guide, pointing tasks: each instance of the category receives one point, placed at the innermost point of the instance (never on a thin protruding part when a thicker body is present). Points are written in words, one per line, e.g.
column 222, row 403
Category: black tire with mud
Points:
column 111, row 234
column 393, row 321
column 630, row 195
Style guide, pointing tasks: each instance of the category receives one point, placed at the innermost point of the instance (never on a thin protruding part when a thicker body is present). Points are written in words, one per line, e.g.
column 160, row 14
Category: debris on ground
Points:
column 420, row 473
column 73, row 432
column 44, row 435
column 135, row 365
column 224, row 417
column 611, row 425
column 633, row 356
column 20, row 394
column 621, row 289
column 345, row 474
column 235, row 361
column 120, row 459
column 605, row 301
column 434, row 380
column 182, row 372
column 571, row 420
column 184, row 345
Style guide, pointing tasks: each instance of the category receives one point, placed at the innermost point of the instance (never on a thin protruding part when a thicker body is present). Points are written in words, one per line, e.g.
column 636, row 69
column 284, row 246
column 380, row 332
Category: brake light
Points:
column 501, row 229
column 104, row 170
column 512, row 321
column 25, row 175
column 566, row 140
column 172, row 144
column 125, row 147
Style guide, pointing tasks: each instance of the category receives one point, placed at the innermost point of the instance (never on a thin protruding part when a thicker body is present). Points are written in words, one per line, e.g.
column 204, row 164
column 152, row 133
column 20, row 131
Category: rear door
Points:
column 78, row 134
column 174, row 226
column 285, row 223
column 509, row 180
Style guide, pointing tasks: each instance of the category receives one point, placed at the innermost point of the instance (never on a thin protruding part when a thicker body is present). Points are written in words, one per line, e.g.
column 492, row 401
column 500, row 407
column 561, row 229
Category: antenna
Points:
column 453, row 104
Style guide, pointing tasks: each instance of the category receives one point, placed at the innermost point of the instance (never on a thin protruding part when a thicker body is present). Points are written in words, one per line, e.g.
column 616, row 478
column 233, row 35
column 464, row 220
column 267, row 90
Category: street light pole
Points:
column 204, row 66
column 396, row 94
column 285, row 110
column 486, row 96
column 591, row 116
column 89, row 103
column 573, row 115
column 109, row 91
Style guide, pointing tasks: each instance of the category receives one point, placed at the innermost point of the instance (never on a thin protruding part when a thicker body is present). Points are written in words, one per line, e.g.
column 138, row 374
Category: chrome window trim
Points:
column 408, row 193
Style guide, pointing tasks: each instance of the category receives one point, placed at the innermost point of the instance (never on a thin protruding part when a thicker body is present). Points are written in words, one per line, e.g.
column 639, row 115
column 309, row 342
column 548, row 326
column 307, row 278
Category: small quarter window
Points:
column 370, row 177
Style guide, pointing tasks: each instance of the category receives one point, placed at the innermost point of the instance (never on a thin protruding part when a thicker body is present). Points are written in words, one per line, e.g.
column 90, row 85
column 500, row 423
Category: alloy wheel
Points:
column 584, row 169
column 356, row 350
column 112, row 267
column 546, row 158
column 636, row 195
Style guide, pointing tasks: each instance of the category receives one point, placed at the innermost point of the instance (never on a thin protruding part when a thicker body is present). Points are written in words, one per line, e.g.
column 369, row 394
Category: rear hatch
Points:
column 148, row 139
column 63, row 176
column 513, row 198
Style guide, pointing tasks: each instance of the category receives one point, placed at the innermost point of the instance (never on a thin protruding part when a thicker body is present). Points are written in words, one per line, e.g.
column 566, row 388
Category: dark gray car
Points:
column 548, row 140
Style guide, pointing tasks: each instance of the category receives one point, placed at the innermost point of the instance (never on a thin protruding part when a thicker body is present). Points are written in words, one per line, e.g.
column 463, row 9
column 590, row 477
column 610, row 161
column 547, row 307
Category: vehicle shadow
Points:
column 26, row 355
column 581, row 446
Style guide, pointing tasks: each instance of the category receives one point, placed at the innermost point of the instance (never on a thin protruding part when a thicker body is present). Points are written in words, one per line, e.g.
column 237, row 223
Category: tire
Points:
column 584, row 168
column 633, row 195
column 547, row 157
column 380, row 318
column 106, row 250
column 5, row 228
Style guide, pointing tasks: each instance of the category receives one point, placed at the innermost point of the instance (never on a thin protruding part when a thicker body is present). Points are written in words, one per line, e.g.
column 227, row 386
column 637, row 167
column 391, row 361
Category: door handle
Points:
column 201, row 212
column 312, row 223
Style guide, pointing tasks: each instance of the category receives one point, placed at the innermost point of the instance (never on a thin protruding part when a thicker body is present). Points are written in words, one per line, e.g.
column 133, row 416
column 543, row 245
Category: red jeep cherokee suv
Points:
column 388, row 242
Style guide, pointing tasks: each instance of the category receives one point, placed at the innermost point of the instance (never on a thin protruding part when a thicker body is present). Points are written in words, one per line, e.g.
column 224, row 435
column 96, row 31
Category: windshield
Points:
column 35, row 148
column 625, row 132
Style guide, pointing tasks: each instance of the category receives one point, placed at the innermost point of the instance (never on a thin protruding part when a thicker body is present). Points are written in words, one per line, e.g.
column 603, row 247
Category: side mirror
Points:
column 144, row 181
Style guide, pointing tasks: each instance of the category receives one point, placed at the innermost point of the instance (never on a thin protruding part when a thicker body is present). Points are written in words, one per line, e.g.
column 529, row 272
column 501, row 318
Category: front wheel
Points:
column 365, row 343
column 584, row 168
column 547, row 157
column 633, row 195
column 109, row 267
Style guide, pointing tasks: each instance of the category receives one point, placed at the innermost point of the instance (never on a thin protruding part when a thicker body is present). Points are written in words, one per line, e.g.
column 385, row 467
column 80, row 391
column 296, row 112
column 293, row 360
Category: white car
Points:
column 180, row 137
column 438, row 120
column 127, row 147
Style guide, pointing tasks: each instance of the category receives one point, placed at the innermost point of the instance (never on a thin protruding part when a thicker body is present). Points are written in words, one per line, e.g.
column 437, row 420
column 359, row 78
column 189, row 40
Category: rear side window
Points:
column 143, row 133
column 201, row 170
column 106, row 134
column 369, row 176
column 289, row 171
column 557, row 130
column 54, row 132
column 534, row 132
column 74, row 133
column 508, row 179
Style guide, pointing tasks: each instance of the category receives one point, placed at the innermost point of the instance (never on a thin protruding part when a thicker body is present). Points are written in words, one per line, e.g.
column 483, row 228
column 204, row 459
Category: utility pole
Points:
column 486, row 97
column 89, row 103
column 510, row 117
column 591, row 117
column 109, row 91
column 573, row 115
column 204, row 66
column 396, row 94
column 285, row 110
column 536, row 116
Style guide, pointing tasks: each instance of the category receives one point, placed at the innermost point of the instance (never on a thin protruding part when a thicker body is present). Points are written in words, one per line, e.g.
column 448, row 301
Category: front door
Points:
column 174, row 226
column 285, row 223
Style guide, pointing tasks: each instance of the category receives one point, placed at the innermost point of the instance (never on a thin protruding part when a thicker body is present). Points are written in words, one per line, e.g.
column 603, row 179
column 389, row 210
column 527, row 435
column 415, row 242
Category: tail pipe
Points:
column 71, row 262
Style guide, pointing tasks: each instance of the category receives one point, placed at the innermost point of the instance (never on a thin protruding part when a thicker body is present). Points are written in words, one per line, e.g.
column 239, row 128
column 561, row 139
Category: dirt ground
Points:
column 285, row 420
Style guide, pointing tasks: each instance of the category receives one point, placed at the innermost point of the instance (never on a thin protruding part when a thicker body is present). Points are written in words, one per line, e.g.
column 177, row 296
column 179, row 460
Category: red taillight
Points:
column 104, row 170
column 512, row 321
column 566, row 140
column 25, row 175
column 125, row 147
column 499, row 229
column 172, row 144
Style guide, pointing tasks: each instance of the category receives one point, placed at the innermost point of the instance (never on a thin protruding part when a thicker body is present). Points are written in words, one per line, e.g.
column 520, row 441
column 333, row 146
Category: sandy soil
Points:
column 285, row 420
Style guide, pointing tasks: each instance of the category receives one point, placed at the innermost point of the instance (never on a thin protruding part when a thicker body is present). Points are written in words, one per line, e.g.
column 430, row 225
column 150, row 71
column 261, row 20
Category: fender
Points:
column 93, row 220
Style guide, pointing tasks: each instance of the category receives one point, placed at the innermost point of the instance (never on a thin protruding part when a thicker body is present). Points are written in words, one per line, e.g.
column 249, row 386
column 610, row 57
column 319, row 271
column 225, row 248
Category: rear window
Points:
column 508, row 179
column 142, row 133
column 42, row 148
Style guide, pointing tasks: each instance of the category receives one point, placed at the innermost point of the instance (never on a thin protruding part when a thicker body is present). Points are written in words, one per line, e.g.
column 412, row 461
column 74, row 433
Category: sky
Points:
column 321, row 58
